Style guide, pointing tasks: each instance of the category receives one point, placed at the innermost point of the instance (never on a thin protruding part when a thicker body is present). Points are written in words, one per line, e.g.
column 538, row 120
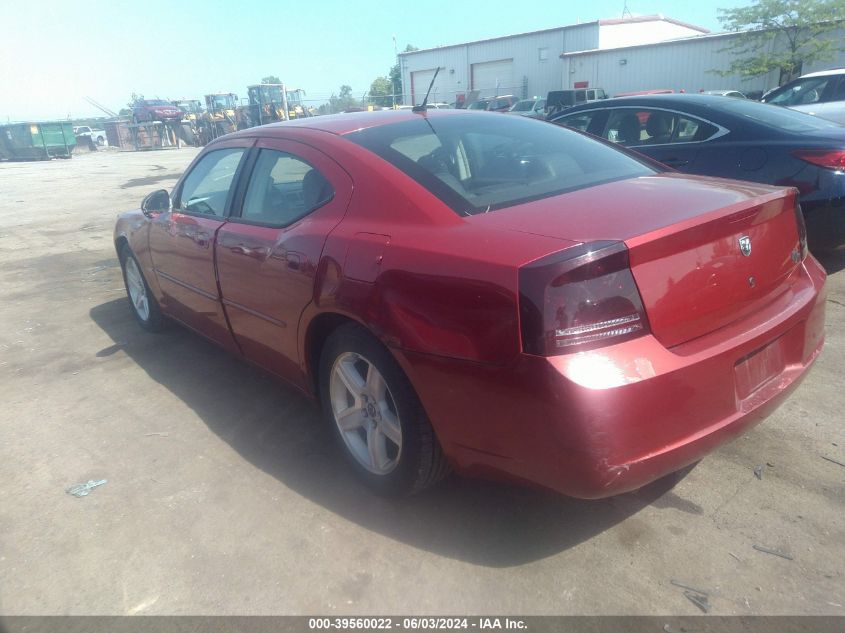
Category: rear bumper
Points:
column 603, row 422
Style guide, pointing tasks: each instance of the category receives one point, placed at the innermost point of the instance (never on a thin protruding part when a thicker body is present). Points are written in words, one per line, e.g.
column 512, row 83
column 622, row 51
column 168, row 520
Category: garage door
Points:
column 493, row 78
column 420, row 81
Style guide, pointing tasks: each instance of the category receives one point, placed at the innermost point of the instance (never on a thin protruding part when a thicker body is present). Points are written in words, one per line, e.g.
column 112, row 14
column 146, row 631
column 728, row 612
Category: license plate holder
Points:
column 756, row 369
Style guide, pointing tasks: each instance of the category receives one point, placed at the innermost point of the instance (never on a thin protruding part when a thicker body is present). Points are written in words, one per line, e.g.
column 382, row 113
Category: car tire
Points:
column 142, row 303
column 387, row 438
column 101, row 140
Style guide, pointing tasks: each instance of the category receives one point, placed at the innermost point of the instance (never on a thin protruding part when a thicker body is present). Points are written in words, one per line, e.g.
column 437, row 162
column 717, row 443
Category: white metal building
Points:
column 619, row 55
column 682, row 64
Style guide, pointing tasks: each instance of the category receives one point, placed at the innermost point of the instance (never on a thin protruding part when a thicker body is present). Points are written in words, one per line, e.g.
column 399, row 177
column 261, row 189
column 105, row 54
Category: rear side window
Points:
column 283, row 189
column 635, row 126
column 480, row 163
column 206, row 188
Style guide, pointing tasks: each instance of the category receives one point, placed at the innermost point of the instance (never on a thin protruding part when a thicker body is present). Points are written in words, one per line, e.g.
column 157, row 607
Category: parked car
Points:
column 559, row 100
column 98, row 136
column 725, row 93
column 501, row 103
column 481, row 104
column 494, row 104
column 492, row 293
column 821, row 94
column 733, row 138
column 534, row 108
column 155, row 110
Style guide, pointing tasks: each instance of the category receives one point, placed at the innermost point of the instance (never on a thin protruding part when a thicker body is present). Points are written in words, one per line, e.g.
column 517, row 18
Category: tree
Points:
column 381, row 92
column 134, row 100
column 271, row 79
column 781, row 35
column 395, row 75
column 341, row 102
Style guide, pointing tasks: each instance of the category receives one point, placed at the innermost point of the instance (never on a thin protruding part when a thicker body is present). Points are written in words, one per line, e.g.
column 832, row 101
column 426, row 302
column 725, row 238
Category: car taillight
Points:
column 802, row 231
column 827, row 158
column 580, row 298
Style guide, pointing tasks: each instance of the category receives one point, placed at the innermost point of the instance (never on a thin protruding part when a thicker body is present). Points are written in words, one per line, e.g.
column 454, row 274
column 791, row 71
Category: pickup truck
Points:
column 98, row 136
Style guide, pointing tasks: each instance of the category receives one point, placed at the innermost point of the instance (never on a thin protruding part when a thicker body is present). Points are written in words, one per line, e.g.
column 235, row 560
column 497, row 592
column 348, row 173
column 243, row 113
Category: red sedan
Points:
column 492, row 294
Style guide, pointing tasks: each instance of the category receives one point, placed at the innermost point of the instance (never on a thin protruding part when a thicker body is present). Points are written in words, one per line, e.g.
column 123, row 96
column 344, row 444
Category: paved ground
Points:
column 224, row 497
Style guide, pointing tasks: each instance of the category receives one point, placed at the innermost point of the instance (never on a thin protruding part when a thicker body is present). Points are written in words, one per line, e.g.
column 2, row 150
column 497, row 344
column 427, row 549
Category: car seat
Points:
column 629, row 129
column 659, row 128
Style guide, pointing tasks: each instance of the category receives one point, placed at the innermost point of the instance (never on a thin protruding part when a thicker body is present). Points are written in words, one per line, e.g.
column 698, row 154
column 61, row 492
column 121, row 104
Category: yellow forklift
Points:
column 221, row 116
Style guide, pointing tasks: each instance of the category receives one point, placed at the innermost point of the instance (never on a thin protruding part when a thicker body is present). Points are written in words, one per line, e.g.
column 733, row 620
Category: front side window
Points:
column 206, row 188
column 283, row 189
column 477, row 163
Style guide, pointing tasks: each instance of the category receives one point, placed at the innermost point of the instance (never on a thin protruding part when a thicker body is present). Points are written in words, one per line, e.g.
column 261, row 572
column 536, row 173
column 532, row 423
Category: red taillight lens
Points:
column 581, row 298
column 802, row 231
column 827, row 158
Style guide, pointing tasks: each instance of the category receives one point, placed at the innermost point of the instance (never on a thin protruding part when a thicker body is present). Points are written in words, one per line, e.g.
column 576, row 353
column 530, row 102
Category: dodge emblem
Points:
column 745, row 245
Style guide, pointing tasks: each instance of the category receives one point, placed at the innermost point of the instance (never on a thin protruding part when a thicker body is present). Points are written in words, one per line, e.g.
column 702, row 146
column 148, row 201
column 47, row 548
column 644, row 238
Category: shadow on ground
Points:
column 280, row 431
column 832, row 260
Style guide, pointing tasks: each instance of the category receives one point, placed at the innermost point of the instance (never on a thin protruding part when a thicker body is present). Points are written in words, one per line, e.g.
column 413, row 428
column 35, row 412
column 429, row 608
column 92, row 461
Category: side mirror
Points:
column 156, row 202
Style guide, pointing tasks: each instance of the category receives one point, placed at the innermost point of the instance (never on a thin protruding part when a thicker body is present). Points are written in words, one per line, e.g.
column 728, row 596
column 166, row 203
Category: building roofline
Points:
column 677, row 40
column 658, row 17
column 644, row 18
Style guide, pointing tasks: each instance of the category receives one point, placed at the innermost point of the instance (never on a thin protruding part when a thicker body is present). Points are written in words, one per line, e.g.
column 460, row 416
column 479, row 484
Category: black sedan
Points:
column 733, row 138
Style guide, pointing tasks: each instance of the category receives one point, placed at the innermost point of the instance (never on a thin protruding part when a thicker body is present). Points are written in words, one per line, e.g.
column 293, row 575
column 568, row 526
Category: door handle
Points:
column 242, row 249
column 675, row 162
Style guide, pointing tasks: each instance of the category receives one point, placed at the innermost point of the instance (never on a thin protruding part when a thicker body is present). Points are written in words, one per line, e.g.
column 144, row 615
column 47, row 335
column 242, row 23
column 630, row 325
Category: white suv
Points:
column 821, row 93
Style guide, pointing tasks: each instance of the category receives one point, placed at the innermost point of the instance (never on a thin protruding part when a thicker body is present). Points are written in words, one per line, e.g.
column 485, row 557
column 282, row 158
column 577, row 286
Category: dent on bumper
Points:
column 604, row 422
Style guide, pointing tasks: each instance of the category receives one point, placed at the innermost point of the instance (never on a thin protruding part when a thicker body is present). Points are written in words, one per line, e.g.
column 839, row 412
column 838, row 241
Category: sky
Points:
column 54, row 53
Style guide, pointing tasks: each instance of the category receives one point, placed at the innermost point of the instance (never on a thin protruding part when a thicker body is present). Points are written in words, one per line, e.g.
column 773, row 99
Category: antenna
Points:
column 421, row 107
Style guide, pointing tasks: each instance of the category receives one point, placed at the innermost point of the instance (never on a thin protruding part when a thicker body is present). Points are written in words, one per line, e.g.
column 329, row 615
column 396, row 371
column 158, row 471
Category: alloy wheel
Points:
column 137, row 289
column 365, row 413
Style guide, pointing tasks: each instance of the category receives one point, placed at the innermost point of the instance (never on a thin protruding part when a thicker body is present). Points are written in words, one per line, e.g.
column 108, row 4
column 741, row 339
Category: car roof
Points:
column 657, row 100
column 341, row 124
column 824, row 73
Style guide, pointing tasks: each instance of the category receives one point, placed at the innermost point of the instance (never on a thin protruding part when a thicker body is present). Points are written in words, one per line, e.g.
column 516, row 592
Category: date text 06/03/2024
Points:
column 415, row 623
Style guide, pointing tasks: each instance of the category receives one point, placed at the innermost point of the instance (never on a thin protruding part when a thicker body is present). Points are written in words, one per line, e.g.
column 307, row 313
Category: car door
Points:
column 182, row 240
column 267, row 254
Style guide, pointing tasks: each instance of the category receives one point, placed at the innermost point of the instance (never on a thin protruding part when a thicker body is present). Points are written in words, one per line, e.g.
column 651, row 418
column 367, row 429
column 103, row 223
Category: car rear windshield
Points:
column 522, row 106
column 778, row 117
column 477, row 163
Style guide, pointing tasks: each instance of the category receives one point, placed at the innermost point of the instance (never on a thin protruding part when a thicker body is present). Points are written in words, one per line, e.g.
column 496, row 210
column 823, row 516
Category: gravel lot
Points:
column 225, row 496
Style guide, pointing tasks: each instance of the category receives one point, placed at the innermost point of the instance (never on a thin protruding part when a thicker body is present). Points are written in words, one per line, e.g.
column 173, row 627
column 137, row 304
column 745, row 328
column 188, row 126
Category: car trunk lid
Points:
column 687, row 239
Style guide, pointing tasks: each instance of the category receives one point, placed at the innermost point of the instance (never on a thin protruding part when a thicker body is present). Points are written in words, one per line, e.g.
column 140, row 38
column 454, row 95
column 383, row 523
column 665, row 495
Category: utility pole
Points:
column 396, row 57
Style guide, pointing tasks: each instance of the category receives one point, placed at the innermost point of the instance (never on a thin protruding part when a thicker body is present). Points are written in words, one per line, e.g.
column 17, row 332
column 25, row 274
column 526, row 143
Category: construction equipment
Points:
column 269, row 103
column 221, row 116
column 296, row 104
column 191, row 109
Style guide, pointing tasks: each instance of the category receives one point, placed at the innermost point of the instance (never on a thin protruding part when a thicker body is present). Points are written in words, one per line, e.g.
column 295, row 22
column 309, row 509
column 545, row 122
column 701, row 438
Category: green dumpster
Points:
column 37, row 140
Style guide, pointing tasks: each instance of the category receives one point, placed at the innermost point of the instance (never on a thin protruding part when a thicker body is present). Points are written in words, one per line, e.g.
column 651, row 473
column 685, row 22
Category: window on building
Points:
column 543, row 53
